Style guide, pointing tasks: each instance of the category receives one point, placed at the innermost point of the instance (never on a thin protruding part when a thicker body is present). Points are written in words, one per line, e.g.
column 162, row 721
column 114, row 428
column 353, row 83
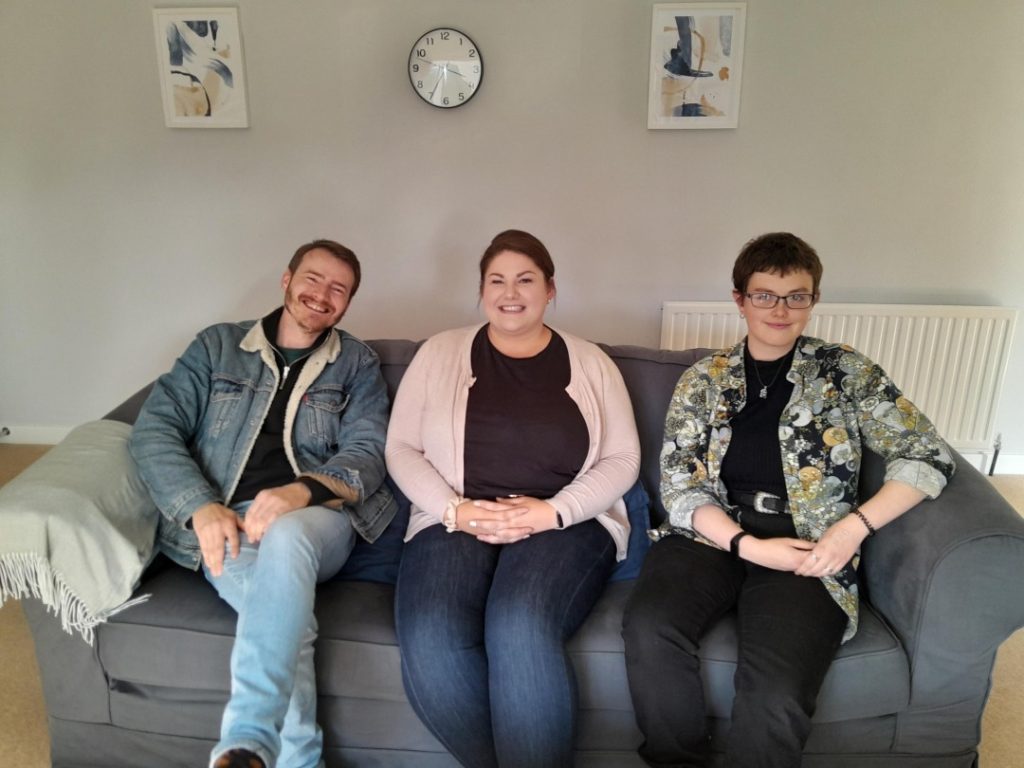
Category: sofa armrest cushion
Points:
column 943, row 575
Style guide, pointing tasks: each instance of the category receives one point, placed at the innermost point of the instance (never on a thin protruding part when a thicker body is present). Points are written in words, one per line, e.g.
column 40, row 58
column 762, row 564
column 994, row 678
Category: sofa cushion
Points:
column 651, row 376
column 358, row 657
column 379, row 561
column 638, row 507
column 395, row 356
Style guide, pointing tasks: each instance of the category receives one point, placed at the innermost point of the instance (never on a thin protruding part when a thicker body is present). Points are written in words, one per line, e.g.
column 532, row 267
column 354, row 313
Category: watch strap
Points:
column 734, row 543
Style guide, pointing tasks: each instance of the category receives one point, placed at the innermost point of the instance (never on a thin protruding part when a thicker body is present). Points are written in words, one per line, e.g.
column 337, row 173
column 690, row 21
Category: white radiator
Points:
column 949, row 360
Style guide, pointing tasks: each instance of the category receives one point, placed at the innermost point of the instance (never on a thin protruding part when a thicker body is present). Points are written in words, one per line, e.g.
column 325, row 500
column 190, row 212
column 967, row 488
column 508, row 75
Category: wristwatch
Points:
column 734, row 543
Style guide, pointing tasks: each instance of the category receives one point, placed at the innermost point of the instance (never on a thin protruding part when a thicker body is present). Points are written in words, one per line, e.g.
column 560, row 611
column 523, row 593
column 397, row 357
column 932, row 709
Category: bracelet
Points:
column 450, row 516
column 734, row 543
column 867, row 523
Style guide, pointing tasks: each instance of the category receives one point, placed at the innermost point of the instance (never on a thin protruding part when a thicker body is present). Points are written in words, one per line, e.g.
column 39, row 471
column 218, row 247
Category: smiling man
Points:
column 263, row 447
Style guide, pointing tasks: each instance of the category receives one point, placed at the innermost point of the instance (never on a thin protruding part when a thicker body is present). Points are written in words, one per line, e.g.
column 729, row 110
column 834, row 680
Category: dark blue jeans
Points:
column 483, row 629
column 788, row 627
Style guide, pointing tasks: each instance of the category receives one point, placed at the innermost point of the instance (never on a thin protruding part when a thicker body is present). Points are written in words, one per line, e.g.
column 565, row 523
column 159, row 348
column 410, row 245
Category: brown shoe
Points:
column 239, row 758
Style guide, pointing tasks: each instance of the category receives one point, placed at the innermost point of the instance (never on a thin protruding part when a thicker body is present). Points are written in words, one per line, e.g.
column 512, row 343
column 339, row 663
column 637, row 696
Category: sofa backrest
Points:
column 650, row 375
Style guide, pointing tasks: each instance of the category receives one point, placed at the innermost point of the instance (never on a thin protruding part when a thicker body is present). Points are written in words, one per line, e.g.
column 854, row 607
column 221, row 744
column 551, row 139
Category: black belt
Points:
column 761, row 501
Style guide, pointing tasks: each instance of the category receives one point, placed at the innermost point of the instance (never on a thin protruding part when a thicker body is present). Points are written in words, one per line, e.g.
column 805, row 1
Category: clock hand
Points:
column 434, row 89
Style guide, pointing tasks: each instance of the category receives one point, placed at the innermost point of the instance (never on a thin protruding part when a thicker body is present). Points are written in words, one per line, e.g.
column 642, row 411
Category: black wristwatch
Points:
column 734, row 543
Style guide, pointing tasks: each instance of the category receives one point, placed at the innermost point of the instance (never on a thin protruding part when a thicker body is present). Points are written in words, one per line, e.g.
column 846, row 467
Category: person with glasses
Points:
column 759, row 478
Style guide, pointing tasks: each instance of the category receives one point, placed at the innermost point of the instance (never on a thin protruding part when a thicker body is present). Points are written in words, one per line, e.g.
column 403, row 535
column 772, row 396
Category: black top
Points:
column 268, row 465
column 753, row 461
column 524, row 434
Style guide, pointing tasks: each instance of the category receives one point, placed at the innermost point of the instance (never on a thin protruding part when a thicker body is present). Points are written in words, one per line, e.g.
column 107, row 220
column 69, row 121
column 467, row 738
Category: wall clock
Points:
column 445, row 68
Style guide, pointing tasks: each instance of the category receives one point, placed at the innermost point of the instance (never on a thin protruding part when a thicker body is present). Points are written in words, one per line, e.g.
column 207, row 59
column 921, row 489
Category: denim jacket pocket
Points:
column 320, row 415
column 226, row 393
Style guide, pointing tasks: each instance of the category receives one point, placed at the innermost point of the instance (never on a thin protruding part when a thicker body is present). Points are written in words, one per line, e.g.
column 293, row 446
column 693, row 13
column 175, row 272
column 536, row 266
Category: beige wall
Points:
column 886, row 132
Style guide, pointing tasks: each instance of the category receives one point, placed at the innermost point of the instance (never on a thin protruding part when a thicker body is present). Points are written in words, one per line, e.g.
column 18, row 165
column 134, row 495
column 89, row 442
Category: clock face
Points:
column 445, row 68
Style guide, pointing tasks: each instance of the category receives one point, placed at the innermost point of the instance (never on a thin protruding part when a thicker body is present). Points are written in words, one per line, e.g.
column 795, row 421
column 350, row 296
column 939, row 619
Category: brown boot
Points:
column 239, row 758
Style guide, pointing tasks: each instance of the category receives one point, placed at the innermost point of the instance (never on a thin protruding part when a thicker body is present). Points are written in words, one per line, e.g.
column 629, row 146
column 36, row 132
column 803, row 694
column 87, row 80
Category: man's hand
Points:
column 270, row 504
column 215, row 524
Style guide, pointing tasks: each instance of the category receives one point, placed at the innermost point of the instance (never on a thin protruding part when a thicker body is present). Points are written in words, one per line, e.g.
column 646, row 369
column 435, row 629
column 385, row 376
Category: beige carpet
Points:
column 24, row 741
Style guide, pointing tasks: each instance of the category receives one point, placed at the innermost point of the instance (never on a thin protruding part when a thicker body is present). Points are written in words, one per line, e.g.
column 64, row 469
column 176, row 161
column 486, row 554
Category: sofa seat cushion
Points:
column 869, row 677
column 180, row 638
column 358, row 657
column 853, row 687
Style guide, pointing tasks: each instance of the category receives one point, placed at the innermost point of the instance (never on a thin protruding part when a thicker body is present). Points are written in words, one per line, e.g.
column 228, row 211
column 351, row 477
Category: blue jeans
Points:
column 483, row 629
column 272, row 585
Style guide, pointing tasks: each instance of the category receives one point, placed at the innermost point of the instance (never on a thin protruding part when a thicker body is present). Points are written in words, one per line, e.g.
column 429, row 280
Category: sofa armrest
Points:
column 943, row 575
column 74, row 684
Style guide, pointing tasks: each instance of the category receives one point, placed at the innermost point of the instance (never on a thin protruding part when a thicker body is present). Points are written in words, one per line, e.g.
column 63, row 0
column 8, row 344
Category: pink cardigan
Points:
column 426, row 434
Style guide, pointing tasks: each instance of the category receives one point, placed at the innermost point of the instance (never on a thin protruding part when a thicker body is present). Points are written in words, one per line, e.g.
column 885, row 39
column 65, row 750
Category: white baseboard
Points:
column 34, row 434
column 977, row 459
column 1008, row 464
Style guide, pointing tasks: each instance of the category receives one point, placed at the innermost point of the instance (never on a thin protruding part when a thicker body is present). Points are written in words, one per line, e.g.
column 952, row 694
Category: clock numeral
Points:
column 462, row 97
column 415, row 67
column 428, row 40
column 476, row 69
column 421, row 53
column 445, row 101
column 472, row 53
column 445, row 35
column 419, row 83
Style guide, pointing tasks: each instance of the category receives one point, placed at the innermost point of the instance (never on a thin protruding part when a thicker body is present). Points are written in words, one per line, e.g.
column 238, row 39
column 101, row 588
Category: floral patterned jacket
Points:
column 841, row 400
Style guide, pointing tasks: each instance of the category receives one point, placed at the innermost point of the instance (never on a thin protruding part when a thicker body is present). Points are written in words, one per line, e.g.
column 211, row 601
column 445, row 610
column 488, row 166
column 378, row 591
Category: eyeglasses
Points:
column 793, row 300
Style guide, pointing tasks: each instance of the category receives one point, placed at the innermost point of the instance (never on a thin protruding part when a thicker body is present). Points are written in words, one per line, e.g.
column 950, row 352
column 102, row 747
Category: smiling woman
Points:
column 515, row 444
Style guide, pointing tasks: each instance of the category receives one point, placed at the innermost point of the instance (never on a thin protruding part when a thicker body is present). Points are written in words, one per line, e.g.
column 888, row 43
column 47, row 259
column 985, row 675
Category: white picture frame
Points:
column 696, row 65
column 202, row 71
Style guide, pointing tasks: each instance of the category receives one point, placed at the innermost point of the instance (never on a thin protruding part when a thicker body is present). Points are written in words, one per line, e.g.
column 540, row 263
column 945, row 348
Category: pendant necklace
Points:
column 764, row 387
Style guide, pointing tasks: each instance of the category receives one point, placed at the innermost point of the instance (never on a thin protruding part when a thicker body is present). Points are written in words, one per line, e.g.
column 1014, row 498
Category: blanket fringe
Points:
column 25, row 574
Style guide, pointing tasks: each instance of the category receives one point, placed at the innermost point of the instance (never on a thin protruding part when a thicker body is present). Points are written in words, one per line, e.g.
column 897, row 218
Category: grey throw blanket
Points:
column 77, row 528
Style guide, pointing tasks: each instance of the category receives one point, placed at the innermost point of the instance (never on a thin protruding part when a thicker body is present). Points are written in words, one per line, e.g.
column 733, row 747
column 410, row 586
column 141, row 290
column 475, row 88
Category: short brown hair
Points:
column 776, row 252
column 518, row 241
column 337, row 250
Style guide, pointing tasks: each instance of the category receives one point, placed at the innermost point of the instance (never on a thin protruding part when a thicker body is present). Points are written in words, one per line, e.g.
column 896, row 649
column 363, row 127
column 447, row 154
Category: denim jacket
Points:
column 841, row 401
column 195, row 432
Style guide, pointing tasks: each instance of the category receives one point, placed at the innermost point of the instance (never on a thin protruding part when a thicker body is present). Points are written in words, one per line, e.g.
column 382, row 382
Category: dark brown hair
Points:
column 776, row 253
column 519, row 242
column 337, row 250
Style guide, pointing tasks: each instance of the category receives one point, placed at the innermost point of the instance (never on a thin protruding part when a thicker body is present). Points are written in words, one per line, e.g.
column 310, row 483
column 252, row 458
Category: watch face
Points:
column 445, row 68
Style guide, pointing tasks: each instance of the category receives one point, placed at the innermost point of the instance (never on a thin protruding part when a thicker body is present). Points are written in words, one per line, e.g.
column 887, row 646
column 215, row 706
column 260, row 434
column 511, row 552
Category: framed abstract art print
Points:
column 202, row 75
column 696, row 65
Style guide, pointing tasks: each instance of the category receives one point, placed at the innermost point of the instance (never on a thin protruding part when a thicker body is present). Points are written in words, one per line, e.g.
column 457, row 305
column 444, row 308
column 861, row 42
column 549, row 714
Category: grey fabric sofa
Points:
column 909, row 690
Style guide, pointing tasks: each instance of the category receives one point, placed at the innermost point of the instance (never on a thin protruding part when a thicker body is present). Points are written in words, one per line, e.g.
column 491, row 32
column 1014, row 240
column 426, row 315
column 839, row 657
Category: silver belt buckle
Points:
column 759, row 506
